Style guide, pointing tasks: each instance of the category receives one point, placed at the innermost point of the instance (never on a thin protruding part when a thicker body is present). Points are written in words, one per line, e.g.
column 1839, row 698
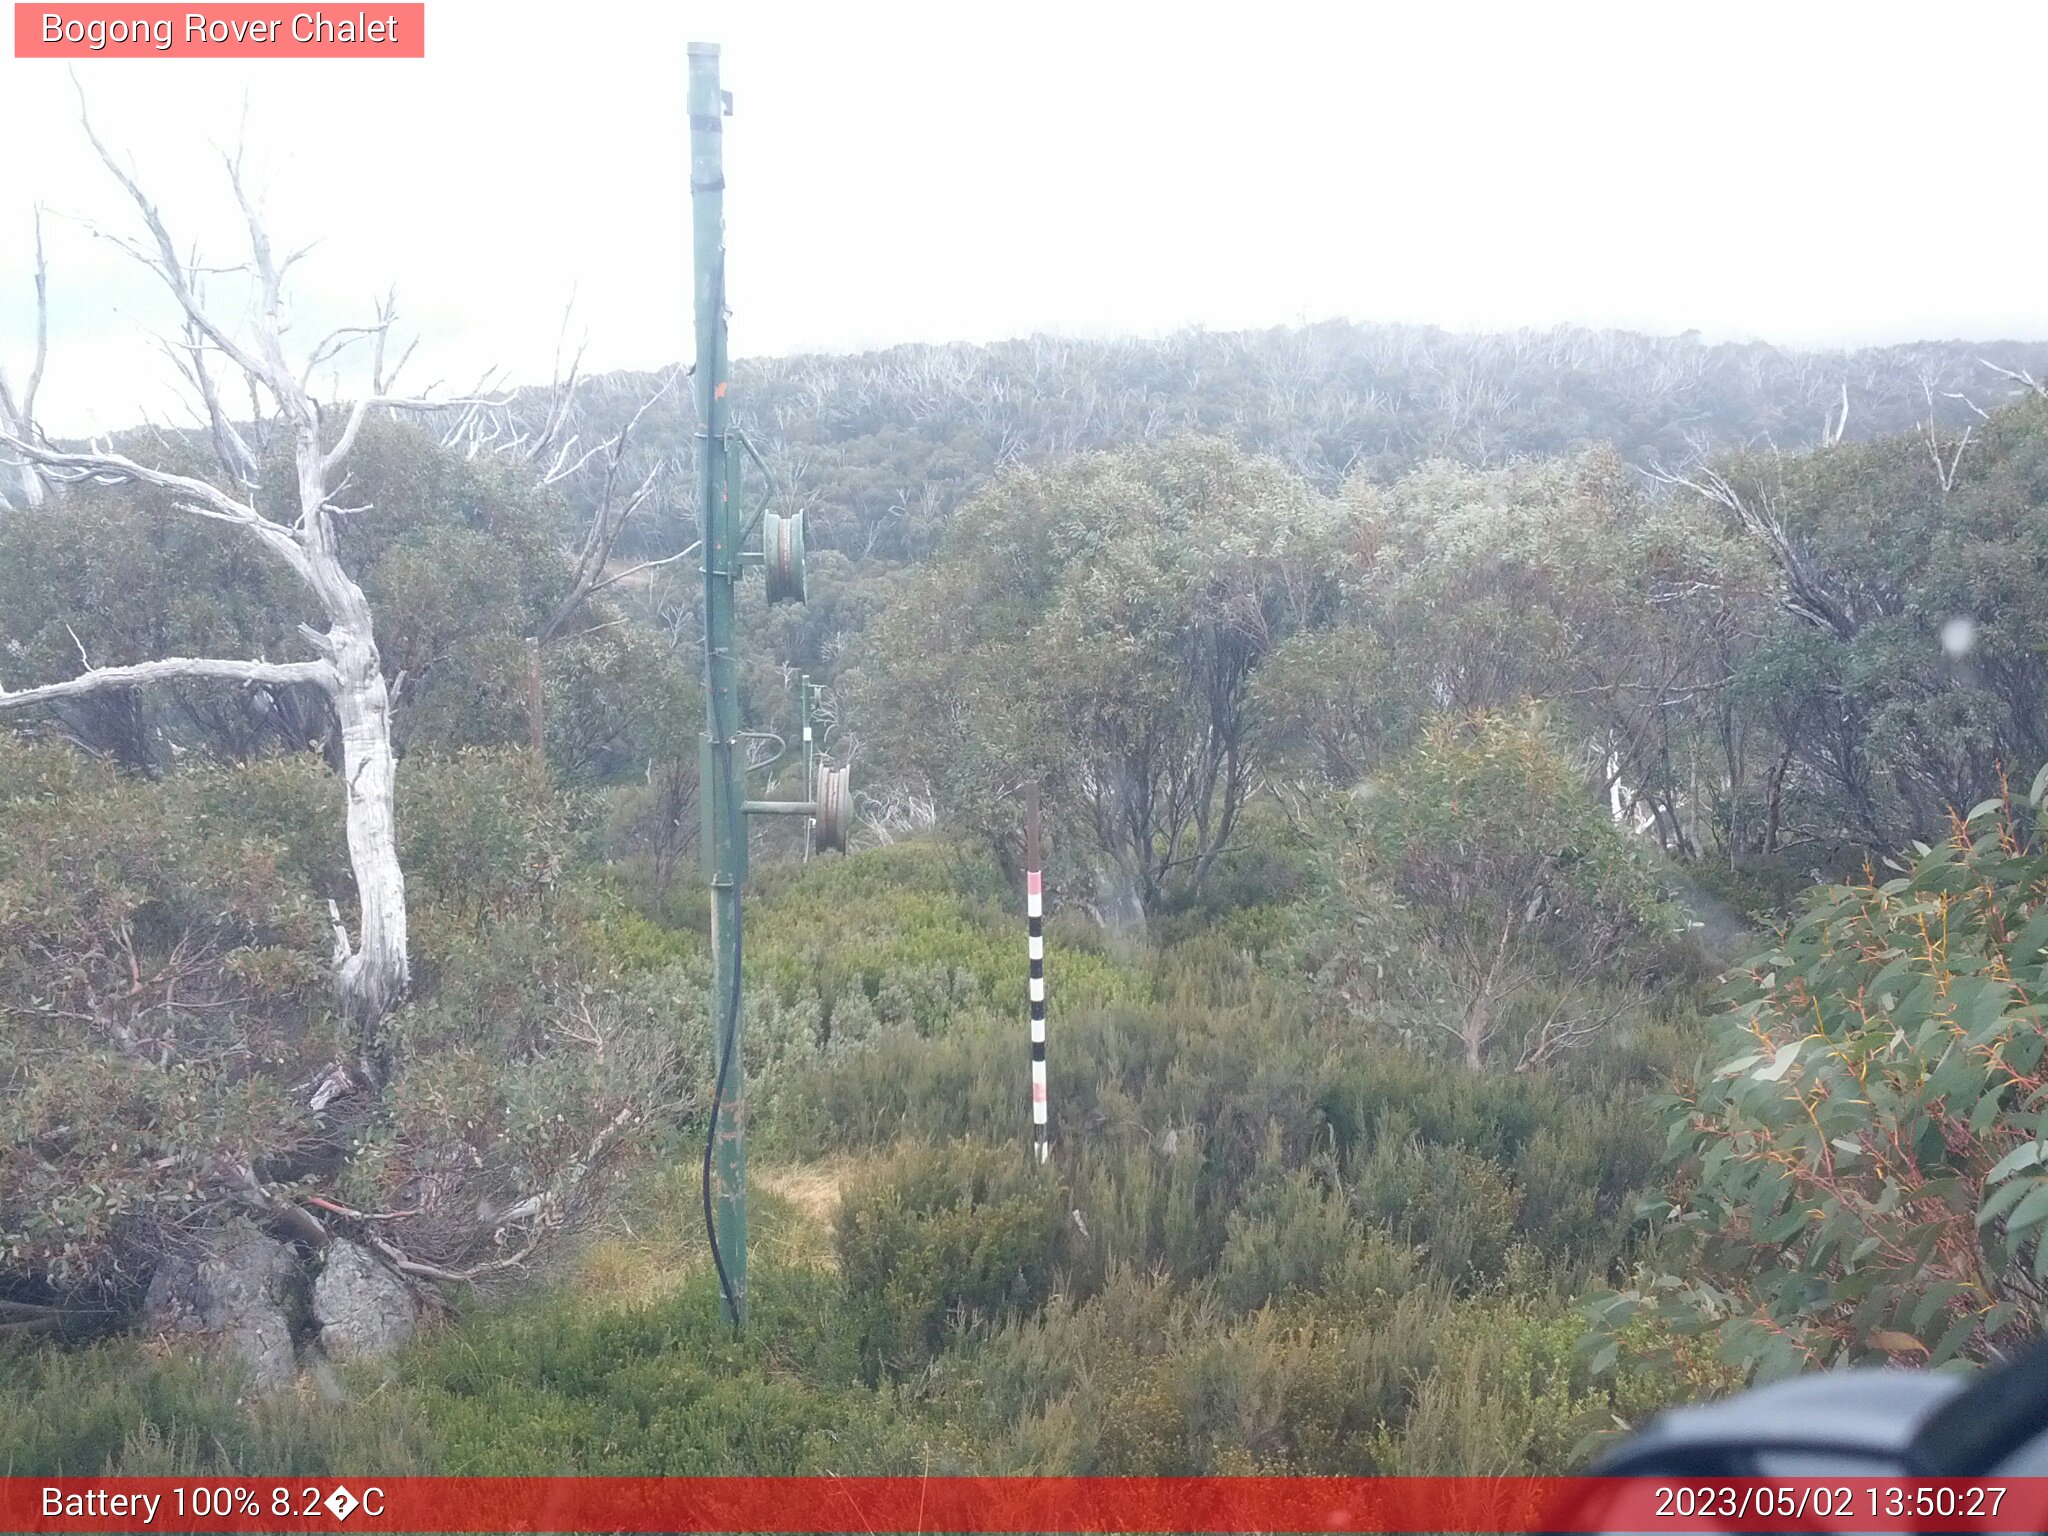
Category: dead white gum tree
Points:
column 18, row 411
column 298, row 529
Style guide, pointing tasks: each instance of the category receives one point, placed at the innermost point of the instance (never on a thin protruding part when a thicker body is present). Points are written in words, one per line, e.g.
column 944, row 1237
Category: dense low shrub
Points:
column 166, row 1015
column 123, row 1408
column 161, row 989
column 1297, row 1237
column 947, row 1239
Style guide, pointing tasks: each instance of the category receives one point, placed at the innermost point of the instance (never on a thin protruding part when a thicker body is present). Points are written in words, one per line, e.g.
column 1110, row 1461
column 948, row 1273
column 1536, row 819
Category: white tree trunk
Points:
column 376, row 976
column 21, row 485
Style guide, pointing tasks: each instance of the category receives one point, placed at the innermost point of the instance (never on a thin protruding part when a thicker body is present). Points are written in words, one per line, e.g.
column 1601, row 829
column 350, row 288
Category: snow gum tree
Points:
column 294, row 524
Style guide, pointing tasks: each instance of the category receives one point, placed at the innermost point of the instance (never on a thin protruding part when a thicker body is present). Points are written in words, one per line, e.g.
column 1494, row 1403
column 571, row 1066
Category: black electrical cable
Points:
column 728, row 1038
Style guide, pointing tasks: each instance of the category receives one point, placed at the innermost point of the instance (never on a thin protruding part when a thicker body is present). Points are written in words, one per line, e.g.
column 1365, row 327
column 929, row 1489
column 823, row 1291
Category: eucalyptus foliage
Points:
column 1506, row 908
column 1860, row 1165
column 1099, row 626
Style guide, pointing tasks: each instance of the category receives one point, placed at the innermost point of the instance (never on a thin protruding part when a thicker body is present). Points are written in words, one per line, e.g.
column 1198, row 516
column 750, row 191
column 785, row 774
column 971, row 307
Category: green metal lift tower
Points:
column 721, row 761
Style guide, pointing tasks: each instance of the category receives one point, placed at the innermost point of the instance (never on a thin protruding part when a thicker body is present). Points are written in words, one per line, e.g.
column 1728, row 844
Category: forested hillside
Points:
column 885, row 452
column 1501, row 795
column 884, row 447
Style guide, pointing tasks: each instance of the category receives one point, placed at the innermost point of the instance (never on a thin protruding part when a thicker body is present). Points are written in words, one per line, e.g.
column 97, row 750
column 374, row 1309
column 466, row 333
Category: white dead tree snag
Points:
column 2019, row 376
column 20, row 482
column 615, row 506
column 372, row 973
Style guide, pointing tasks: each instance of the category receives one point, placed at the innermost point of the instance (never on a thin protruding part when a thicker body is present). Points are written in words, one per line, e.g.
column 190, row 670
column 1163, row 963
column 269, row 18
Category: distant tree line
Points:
column 884, row 447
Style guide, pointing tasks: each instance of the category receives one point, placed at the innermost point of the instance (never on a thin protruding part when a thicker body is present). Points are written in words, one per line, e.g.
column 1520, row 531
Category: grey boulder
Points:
column 364, row 1310
column 232, row 1294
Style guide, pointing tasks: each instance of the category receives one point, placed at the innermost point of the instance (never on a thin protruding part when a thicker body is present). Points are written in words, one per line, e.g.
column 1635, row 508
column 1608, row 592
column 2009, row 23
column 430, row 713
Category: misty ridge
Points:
column 882, row 447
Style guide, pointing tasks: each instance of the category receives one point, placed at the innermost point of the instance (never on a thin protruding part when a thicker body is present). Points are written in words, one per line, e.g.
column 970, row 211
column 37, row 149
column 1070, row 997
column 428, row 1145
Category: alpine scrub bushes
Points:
column 1190, row 1111
column 908, row 936
column 1858, row 1170
column 947, row 1239
column 1151, row 1379
column 164, row 1029
column 543, row 1385
column 1284, row 1241
column 1271, row 1238
column 160, row 991
column 1370, row 1006
column 1296, row 1237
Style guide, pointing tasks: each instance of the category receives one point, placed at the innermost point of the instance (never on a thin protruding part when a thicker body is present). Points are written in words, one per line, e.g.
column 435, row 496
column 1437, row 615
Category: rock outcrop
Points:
column 235, row 1295
column 363, row 1309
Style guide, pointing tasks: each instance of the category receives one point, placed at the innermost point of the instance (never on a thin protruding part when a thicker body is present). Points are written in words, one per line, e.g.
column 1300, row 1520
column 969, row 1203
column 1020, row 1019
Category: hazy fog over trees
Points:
column 883, row 446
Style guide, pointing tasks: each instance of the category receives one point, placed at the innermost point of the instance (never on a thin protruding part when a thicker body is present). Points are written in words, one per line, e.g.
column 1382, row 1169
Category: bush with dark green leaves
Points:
column 166, row 1009
column 162, row 987
column 1858, row 1167
column 946, row 1239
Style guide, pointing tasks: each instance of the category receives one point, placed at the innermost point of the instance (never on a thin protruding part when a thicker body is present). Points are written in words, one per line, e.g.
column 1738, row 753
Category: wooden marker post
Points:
column 1034, row 912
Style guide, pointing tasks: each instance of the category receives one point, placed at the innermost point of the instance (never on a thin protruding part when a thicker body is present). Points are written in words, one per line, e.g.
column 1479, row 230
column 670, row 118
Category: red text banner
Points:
column 873, row 1505
column 225, row 31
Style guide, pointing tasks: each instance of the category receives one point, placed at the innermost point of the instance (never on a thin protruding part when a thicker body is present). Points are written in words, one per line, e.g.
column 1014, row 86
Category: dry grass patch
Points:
column 813, row 1188
column 655, row 1242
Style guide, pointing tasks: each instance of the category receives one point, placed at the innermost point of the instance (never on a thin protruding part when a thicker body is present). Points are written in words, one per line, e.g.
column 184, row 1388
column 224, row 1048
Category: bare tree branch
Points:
column 165, row 262
column 562, row 394
column 548, row 1211
column 229, row 446
column 104, row 467
column 2018, row 376
column 646, row 565
column 35, row 372
column 171, row 668
column 610, row 518
column 1804, row 592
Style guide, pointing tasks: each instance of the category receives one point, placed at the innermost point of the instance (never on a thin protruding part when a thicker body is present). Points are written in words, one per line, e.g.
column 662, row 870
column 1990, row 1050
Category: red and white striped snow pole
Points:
column 1034, row 912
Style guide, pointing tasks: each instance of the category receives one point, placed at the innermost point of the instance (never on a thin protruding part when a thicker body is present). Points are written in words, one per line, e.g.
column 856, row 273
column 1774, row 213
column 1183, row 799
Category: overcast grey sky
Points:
column 1810, row 173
